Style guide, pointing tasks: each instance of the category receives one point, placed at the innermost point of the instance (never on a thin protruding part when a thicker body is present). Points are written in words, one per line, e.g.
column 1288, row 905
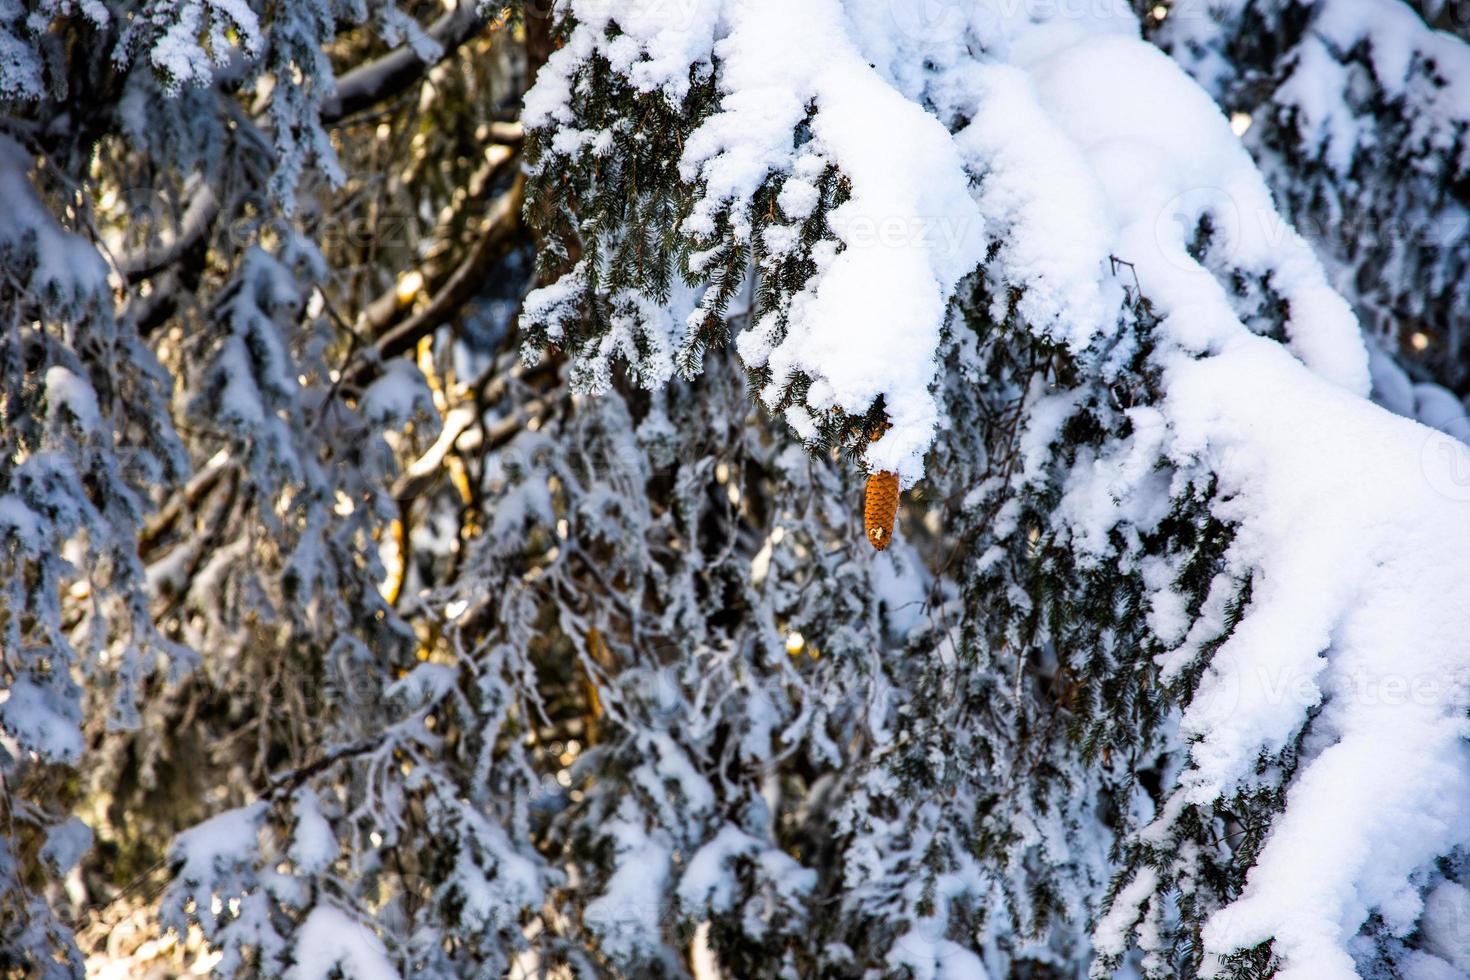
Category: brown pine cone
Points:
column 880, row 508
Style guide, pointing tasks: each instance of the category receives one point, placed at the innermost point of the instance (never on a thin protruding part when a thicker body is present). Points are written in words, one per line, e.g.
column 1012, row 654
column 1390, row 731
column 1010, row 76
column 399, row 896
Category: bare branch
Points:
column 392, row 74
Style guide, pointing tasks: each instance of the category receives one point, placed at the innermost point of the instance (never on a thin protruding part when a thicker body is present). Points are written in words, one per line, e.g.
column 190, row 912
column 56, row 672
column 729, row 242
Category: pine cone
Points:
column 880, row 508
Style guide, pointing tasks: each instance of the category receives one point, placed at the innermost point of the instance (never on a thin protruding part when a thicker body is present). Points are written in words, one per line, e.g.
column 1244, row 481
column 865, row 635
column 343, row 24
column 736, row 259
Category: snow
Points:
column 1039, row 199
column 629, row 913
column 491, row 881
column 1076, row 143
column 188, row 40
column 527, row 501
column 1422, row 966
column 19, row 520
column 1323, row 120
column 707, row 885
column 1340, row 526
column 425, row 684
column 641, row 332
column 20, row 69
column 225, row 839
column 64, row 389
column 41, row 719
column 1391, row 386
column 332, row 943
column 1180, row 137
column 397, row 27
column 1445, row 928
column 900, row 582
column 668, row 766
column 67, row 267
column 1438, row 408
column 931, row 958
column 659, row 42
column 1037, row 148
column 1110, row 936
column 1397, row 41
column 215, row 885
column 397, row 396
column 870, row 323
column 313, row 844
column 65, row 845
column 1363, row 139
column 1335, row 613
column 1040, row 154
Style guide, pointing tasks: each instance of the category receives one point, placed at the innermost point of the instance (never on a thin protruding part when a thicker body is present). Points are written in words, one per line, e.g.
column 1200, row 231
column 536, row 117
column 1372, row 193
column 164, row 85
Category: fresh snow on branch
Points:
column 1359, row 116
column 378, row 635
column 1090, row 176
column 867, row 325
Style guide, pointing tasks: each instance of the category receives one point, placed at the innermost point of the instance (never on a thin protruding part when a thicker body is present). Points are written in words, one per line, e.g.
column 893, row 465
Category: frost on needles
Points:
column 1201, row 519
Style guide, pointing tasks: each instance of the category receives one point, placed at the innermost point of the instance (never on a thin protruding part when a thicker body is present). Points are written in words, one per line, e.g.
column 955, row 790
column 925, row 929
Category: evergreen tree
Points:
column 367, row 612
column 1357, row 114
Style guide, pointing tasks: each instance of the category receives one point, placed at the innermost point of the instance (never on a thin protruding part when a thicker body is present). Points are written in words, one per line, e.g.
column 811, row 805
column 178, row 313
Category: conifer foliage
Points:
column 844, row 488
column 1154, row 550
